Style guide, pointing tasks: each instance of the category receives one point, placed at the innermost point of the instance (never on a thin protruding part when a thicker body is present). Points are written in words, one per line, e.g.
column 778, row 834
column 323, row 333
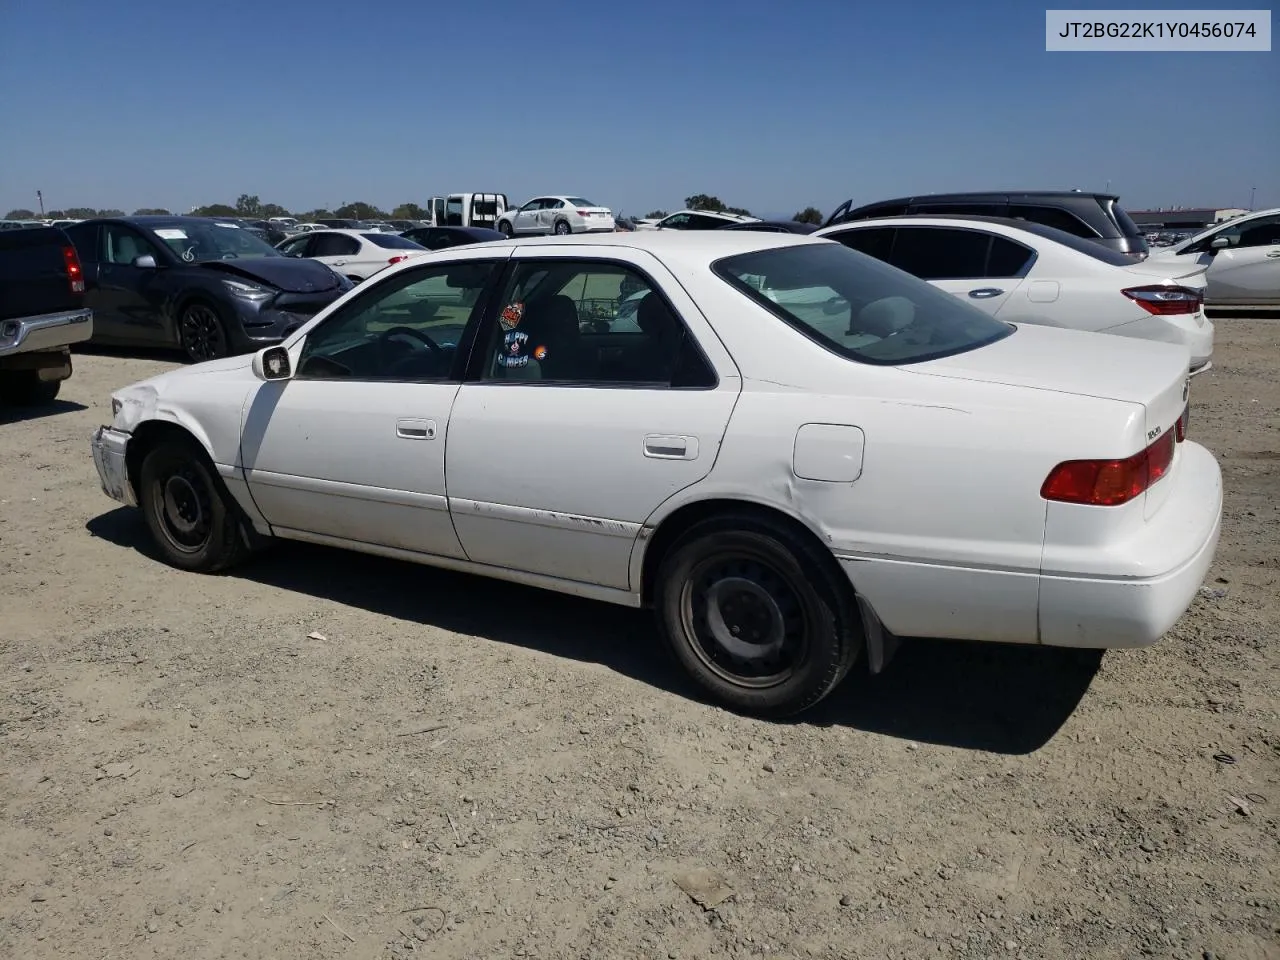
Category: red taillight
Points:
column 1183, row 422
column 1166, row 301
column 397, row 259
column 584, row 213
column 74, row 273
column 1109, row 483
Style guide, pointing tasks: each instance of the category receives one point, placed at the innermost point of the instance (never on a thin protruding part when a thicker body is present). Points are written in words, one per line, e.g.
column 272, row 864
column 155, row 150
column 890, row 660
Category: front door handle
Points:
column 664, row 447
column 416, row 429
column 339, row 263
column 1273, row 254
column 985, row 293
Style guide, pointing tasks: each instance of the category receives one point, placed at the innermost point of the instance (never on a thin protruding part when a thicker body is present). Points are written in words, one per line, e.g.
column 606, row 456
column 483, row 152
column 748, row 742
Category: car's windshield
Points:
column 196, row 242
column 857, row 306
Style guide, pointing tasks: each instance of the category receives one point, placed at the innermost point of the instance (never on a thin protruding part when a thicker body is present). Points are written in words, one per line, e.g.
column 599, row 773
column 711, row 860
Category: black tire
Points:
column 562, row 228
column 778, row 587
column 505, row 228
column 355, row 279
column 191, row 516
column 24, row 388
column 202, row 332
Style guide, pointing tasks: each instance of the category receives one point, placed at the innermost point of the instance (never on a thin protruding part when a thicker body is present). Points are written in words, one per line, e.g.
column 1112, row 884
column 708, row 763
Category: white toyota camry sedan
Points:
column 794, row 453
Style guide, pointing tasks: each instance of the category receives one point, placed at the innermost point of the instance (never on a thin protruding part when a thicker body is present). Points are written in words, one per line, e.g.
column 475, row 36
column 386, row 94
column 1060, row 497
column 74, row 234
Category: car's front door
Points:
column 526, row 218
column 127, row 300
column 1247, row 272
column 351, row 448
column 568, row 435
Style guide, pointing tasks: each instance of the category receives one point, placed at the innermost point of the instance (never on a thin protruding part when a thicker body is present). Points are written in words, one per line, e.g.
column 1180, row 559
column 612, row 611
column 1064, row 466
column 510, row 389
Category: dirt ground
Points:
column 330, row 756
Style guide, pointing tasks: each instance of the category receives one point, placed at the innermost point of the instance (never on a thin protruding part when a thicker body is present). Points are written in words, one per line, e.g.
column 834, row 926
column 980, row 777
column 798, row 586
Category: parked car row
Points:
column 793, row 452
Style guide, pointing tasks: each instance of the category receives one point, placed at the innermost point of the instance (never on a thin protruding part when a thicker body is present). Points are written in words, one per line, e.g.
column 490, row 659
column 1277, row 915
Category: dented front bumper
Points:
column 109, row 447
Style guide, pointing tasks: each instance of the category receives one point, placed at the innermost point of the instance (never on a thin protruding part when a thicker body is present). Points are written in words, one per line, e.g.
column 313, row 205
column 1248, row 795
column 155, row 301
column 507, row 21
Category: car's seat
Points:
column 126, row 249
column 554, row 326
column 654, row 359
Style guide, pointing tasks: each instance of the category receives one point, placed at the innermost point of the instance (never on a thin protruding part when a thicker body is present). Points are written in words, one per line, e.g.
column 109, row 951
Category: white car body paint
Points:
column 1067, row 288
column 1243, row 276
column 942, row 530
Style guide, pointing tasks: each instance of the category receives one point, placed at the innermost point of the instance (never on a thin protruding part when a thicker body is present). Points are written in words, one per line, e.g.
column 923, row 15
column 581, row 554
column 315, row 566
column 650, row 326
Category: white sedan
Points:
column 1029, row 273
column 556, row 215
column 1242, row 261
column 356, row 254
column 789, row 490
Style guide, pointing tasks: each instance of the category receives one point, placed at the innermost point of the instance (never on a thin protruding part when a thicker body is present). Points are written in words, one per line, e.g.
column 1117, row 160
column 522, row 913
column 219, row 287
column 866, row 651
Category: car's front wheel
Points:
column 191, row 516
column 202, row 332
column 504, row 227
column 756, row 616
column 563, row 228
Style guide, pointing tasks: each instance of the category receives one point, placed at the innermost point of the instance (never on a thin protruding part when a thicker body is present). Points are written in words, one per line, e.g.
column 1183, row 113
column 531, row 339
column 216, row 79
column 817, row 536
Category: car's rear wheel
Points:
column 563, row 228
column 24, row 388
column 189, row 512
column 202, row 332
column 504, row 227
column 756, row 616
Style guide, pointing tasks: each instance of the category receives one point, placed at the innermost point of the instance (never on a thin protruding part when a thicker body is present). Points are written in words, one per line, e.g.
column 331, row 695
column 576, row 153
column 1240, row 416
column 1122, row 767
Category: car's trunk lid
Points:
column 1187, row 273
column 1154, row 375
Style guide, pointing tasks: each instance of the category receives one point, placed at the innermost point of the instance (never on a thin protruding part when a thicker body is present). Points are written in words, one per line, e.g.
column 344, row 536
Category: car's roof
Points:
column 990, row 195
column 704, row 245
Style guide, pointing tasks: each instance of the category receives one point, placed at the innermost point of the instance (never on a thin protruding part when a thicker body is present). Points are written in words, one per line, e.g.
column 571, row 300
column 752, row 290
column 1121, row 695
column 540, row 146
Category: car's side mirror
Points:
column 272, row 363
column 145, row 262
column 1220, row 243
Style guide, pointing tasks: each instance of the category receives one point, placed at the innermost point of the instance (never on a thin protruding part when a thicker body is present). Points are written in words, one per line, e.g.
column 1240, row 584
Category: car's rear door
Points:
column 561, row 445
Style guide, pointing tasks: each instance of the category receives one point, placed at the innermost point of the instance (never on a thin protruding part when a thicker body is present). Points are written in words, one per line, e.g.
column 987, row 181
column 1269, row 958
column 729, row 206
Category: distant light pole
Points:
column 1107, row 188
column 40, row 197
column 1252, row 191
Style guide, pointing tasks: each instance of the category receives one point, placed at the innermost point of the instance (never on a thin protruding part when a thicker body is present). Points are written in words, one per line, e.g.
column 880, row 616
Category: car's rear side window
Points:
column 858, row 307
column 1054, row 217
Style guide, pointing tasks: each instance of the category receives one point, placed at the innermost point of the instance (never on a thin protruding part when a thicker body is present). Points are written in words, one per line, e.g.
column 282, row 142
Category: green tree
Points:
column 740, row 211
column 359, row 211
column 273, row 210
column 151, row 212
column 655, row 214
column 215, row 210
column 248, row 205
column 701, row 201
column 20, row 214
column 111, row 212
column 809, row 215
column 320, row 214
column 81, row 213
column 410, row 211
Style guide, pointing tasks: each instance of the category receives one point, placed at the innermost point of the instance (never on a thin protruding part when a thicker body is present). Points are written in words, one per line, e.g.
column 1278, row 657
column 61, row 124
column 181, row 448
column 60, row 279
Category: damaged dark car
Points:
column 209, row 288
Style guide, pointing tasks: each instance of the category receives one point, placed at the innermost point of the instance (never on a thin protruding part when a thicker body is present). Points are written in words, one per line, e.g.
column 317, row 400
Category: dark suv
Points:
column 1094, row 216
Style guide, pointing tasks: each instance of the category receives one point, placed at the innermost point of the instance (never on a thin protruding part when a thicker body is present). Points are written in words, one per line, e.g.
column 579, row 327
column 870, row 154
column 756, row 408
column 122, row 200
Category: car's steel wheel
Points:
column 563, row 228
column 183, row 503
column 505, row 228
column 746, row 620
column 202, row 335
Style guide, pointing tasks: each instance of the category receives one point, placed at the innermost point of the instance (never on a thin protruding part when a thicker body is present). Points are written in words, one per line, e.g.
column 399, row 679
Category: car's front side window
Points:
column 584, row 322
column 404, row 328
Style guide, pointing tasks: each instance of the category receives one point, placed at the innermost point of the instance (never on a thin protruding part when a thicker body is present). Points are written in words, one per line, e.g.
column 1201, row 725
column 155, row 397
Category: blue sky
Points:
column 766, row 105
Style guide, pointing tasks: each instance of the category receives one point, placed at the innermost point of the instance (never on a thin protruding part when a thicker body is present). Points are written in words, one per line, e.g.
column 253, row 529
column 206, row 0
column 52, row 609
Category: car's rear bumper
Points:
column 1178, row 543
column 1136, row 591
column 108, row 448
column 46, row 332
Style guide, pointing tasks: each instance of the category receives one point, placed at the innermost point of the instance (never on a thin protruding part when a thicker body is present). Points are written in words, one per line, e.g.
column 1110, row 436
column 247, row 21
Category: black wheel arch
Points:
column 685, row 518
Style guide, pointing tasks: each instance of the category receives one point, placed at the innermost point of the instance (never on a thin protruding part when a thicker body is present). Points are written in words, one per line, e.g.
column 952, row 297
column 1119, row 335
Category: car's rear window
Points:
column 1127, row 226
column 579, row 202
column 858, row 307
column 391, row 241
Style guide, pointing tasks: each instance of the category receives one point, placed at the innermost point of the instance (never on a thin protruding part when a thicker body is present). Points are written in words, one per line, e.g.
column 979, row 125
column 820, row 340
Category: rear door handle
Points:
column 416, row 429
column 985, row 293
column 664, row 447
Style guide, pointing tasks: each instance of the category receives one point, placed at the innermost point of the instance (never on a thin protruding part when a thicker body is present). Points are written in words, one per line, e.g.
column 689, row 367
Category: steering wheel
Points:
column 410, row 333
